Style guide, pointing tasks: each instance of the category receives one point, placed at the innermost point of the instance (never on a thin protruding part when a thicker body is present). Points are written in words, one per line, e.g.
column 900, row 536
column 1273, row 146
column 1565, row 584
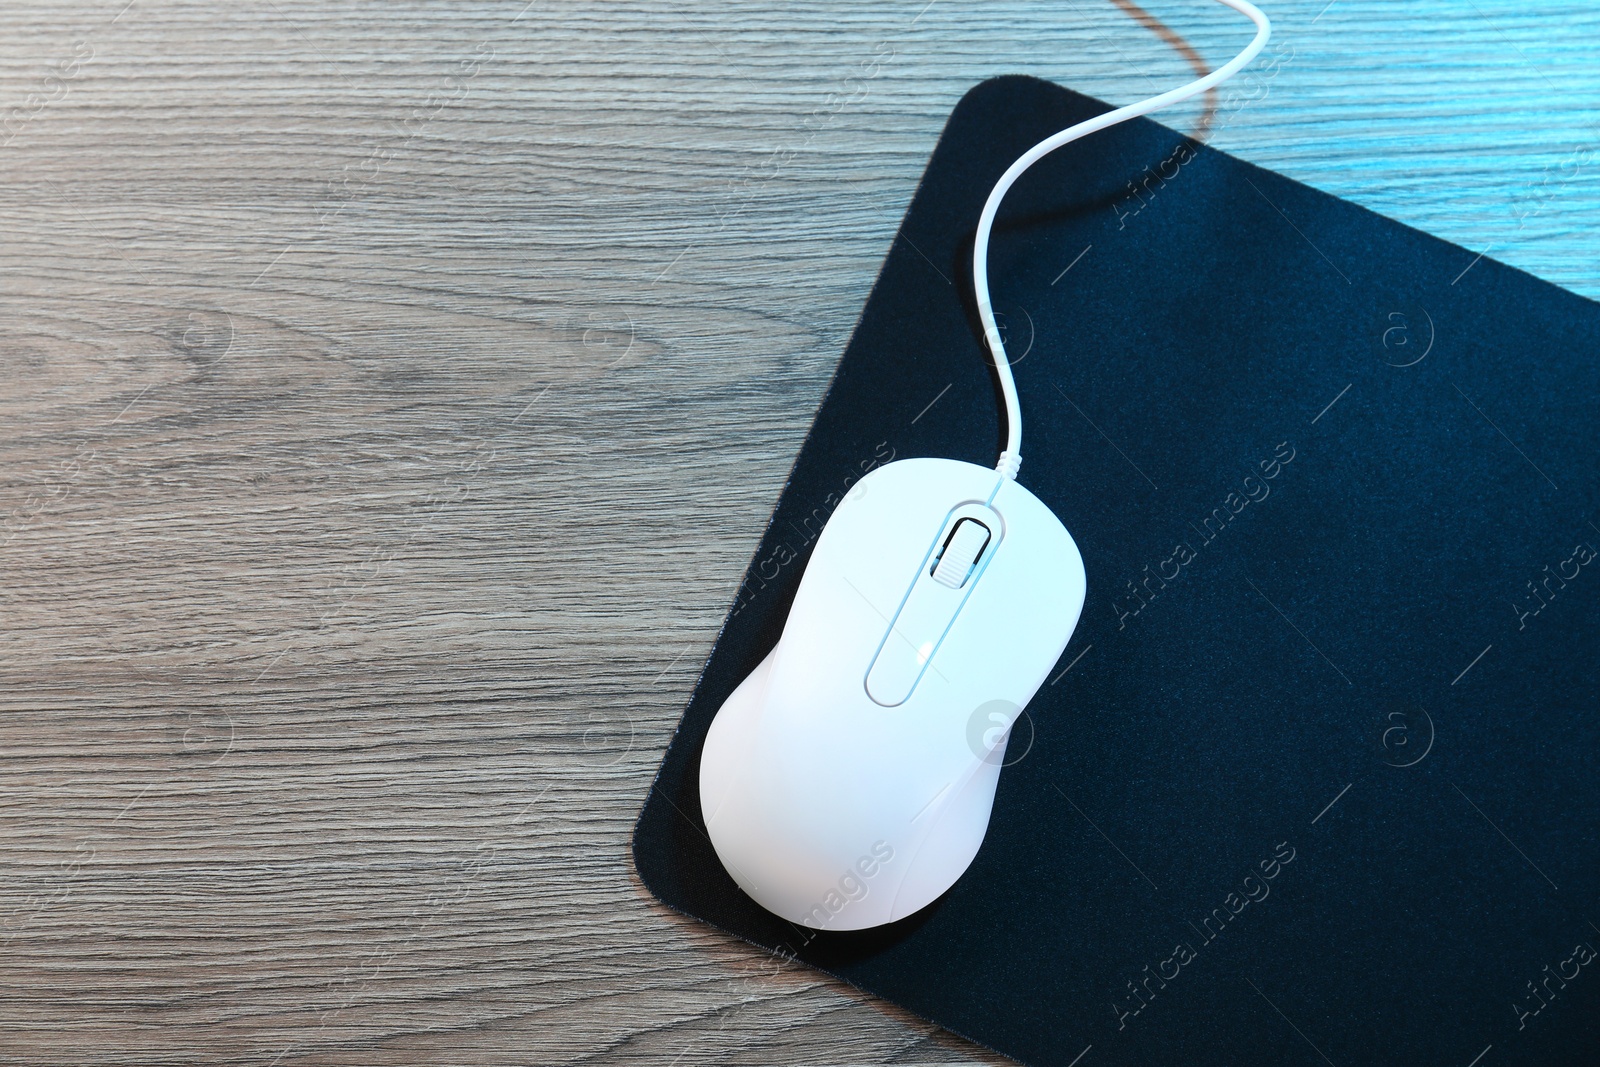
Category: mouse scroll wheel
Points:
column 961, row 550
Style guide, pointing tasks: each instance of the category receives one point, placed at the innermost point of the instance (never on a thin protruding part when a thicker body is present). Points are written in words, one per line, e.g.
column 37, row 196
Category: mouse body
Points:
column 847, row 782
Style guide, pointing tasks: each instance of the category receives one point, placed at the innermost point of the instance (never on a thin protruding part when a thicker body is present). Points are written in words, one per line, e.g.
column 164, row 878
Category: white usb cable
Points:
column 1011, row 458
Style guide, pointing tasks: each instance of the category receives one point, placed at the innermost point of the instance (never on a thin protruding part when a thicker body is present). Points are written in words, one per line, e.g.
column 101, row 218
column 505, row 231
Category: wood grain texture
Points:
column 393, row 396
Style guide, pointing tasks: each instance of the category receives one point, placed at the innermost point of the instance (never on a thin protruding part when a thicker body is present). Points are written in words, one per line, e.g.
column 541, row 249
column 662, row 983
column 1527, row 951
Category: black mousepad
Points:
column 1315, row 780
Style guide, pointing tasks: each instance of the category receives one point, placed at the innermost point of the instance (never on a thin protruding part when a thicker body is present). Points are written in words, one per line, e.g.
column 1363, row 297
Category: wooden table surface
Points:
column 393, row 396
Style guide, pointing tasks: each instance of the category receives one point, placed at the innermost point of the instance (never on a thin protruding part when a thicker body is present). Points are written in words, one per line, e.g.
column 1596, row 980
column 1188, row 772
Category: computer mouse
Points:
column 847, row 782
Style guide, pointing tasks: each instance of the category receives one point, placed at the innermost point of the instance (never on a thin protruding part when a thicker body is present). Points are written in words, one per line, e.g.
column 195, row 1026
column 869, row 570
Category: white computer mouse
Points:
column 847, row 782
